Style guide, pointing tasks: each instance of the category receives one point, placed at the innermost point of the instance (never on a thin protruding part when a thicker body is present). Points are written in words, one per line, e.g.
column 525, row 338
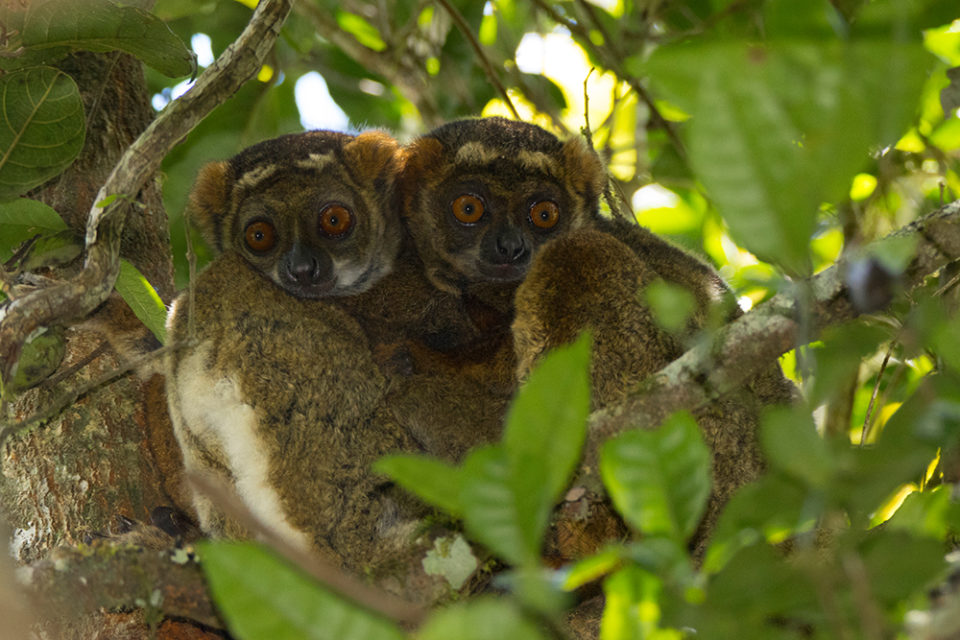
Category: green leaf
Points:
column 659, row 479
column 52, row 250
column 365, row 33
column 434, row 481
column 484, row 618
column 671, row 304
column 898, row 565
column 793, row 445
column 632, row 609
column 508, row 492
column 495, row 508
column 22, row 219
column 50, row 29
column 263, row 598
column 547, row 422
column 770, row 509
column 42, row 128
column 142, row 299
column 779, row 129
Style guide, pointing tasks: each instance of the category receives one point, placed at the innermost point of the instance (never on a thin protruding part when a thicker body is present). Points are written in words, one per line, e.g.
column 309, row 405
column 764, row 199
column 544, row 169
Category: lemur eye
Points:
column 545, row 214
column 260, row 236
column 467, row 208
column 336, row 220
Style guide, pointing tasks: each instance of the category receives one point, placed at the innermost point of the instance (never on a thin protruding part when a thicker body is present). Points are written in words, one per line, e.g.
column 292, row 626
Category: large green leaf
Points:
column 547, row 422
column 508, row 491
column 494, row 507
column 780, row 128
column 142, row 299
column 263, row 598
column 22, row 219
column 432, row 480
column 50, row 29
column 42, row 128
column 480, row 619
column 793, row 445
column 659, row 479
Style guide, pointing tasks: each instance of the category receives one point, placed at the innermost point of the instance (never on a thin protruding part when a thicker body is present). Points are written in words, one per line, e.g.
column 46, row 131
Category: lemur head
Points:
column 481, row 195
column 313, row 212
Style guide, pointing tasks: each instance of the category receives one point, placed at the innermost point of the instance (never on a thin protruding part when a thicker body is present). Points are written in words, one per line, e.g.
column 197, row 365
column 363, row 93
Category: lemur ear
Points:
column 209, row 200
column 583, row 168
column 373, row 153
column 418, row 158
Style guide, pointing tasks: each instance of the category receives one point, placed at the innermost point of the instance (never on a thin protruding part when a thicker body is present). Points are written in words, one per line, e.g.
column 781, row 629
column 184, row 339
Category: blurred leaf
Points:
column 631, row 611
column 756, row 595
column 42, row 128
column 931, row 514
column 593, row 567
column 898, row 564
column 483, row 618
column 839, row 356
column 672, row 305
column 494, row 507
column 41, row 355
column 793, row 446
column 776, row 130
column 51, row 29
column 365, row 33
column 142, row 299
column 659, row 479
column 263, row 598
column 22, row 219
column 549, row 413
column 768, row 510
column 433, row 480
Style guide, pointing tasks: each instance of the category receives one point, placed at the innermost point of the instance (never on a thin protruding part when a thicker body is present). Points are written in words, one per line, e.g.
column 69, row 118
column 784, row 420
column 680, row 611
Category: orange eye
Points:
column 467, row 208
column 260, row 236
column 545, row 214
column 336, row 220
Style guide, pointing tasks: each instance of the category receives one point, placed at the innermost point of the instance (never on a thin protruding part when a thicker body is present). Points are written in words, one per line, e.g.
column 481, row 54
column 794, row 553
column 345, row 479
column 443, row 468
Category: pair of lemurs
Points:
column 409, row 289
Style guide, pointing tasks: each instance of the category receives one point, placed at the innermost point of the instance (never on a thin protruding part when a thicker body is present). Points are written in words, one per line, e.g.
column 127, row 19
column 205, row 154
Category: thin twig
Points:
column 325, row 572
column 865, row 430
column 78, row 296
column 464, row 28
column 613, row 64
column 587, row 133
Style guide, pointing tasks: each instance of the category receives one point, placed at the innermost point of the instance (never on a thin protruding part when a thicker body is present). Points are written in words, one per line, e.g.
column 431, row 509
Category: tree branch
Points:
column 79, row 296
column 743, row 348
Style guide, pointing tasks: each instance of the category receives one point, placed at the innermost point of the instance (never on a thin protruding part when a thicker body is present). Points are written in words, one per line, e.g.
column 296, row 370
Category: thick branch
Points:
column 73, row 582
column 746, row 346
column 79, row 296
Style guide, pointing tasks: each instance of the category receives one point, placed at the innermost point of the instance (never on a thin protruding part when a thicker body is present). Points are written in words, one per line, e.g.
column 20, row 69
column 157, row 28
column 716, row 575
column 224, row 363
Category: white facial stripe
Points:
column 315, row 160
column 255, row 176
column 475, row 153
column 538, row 161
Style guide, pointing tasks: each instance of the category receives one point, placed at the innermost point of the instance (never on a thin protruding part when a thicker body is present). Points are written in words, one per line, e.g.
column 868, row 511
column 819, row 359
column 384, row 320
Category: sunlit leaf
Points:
column 778, row 129
column 263, row 598
column 142, row 299
column 50, row 29
column 42, row 128
column 659, row 479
